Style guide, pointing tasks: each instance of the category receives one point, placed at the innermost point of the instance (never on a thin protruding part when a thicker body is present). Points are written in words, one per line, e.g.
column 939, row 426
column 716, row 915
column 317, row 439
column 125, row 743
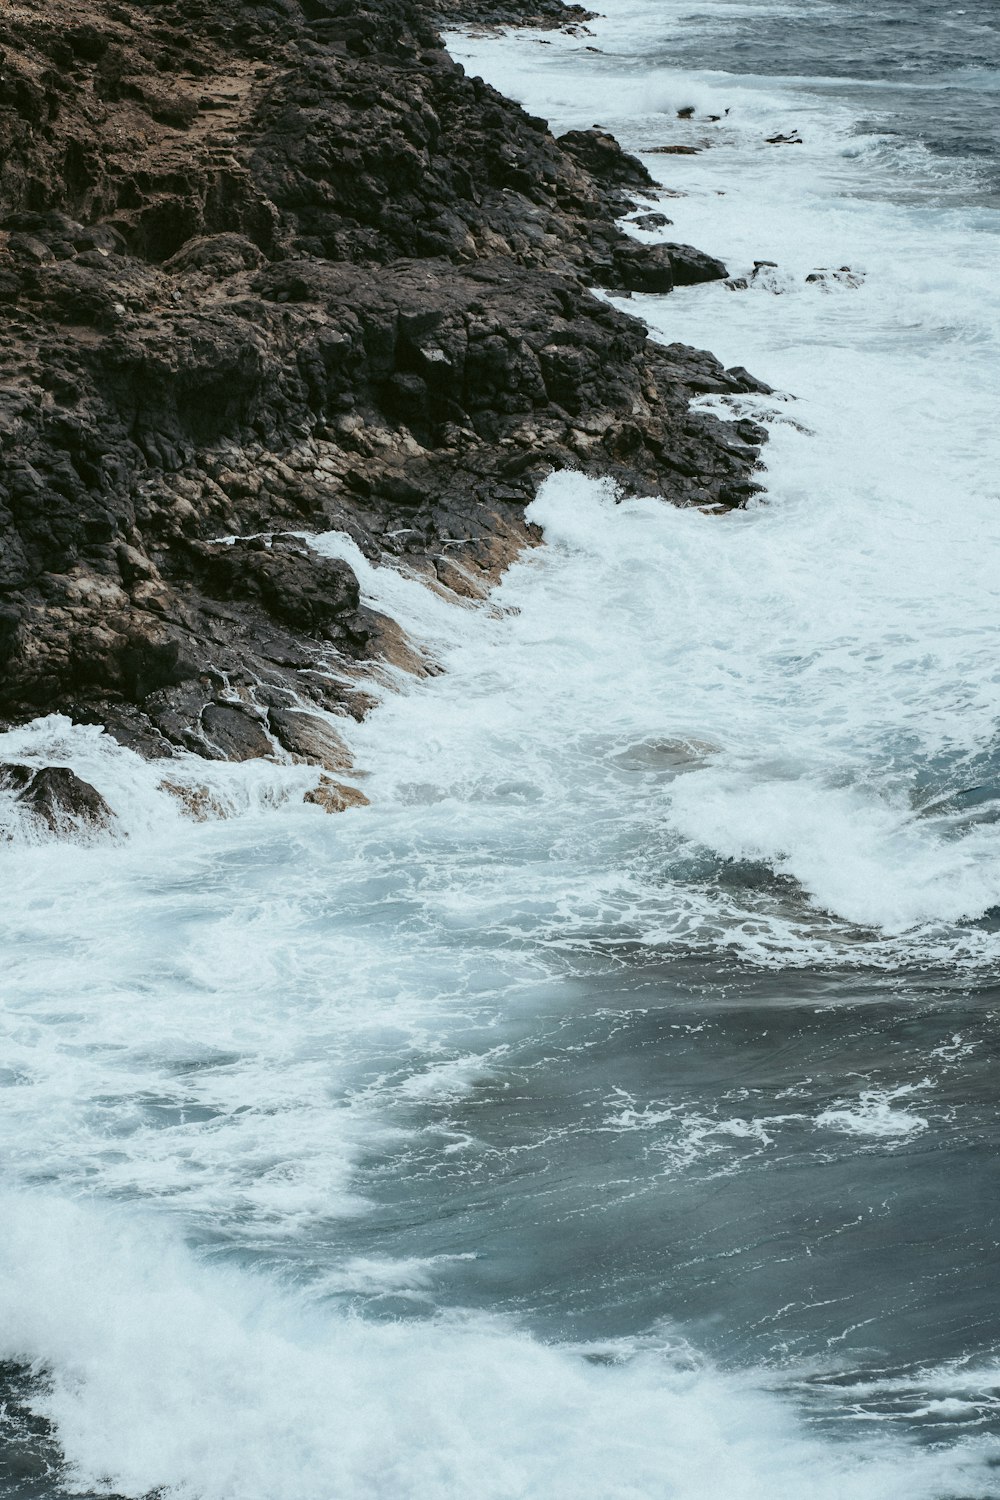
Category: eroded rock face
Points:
column 274, row 269
column 313, row 595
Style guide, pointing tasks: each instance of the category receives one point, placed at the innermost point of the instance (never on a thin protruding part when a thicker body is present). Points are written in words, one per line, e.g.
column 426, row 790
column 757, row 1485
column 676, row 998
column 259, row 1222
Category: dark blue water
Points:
column 921, row 71
column 794, row 1170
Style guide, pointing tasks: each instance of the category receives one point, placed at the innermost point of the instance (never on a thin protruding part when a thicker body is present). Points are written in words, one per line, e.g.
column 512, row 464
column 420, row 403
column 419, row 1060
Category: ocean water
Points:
column 608, row 1110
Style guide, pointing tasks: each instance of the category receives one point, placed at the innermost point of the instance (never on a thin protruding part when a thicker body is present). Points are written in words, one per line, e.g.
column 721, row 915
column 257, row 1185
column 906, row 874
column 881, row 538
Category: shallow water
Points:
column 609, row 1108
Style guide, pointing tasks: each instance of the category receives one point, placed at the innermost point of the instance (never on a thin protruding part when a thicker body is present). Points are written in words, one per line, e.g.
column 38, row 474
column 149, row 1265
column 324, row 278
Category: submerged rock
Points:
column 650, row 221
column 828, row 280
column 198, row 802
column 766, row 276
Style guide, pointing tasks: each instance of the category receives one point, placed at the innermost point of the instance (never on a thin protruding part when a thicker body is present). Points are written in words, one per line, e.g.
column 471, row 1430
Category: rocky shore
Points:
column 270, row 268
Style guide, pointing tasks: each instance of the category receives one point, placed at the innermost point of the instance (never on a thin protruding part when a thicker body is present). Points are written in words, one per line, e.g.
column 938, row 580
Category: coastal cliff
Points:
column 273, row 269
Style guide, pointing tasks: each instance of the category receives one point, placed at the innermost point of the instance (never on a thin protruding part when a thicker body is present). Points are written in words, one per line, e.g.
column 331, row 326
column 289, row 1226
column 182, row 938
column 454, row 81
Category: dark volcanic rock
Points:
column 233, row 733
column 219, row 254
column 691, row 266
column 541, row 14
column 274, row 269
column 311, row 594
column 600, row 154
column 650, row 221
column 309, row 738
column 58, row 799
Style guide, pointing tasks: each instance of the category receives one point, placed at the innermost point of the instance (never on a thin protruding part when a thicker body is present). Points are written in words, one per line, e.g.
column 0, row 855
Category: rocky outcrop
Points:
column 274, row 269
column 545, row 15
column 335, row 796
column 56, row 800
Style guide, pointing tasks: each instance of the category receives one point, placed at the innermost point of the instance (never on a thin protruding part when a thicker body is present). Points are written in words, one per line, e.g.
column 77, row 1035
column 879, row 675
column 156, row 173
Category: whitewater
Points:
column 608, row 1109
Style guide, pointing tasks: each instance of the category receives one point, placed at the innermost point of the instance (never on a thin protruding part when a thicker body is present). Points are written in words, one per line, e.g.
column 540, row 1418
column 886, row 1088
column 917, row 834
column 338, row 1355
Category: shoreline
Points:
column 611, row 1106
column 306, row 277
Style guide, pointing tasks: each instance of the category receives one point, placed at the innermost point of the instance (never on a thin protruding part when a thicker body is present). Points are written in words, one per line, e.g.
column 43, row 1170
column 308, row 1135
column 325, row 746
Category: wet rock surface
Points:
column 335, row 796
column 56, row 799
column 272, row 269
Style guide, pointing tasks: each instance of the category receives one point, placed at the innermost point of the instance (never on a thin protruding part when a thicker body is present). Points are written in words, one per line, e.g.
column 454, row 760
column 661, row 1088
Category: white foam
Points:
column 873, row 1114
column 835, row 642
column 149, row 799
column 427, row 615
column 680, row 1137
column 740, row 733
column 215, row 1385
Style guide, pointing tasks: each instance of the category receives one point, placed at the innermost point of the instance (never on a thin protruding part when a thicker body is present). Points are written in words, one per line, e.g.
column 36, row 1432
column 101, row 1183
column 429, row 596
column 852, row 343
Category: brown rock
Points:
column 335, row 796
column 198, row 802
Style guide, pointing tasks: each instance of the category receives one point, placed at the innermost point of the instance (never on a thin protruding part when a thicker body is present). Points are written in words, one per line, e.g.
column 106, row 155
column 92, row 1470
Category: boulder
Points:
column 58, row 799
column 335, row 796
column 309, row 738
column 650, row 221
column 599, row 152
column 691, row 266
column 234, row 733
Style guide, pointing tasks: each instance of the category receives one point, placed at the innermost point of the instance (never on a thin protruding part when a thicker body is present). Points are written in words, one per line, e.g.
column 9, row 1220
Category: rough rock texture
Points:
column 336, row 796
column 56, row 799
column 545, row 15
column 274, row 267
